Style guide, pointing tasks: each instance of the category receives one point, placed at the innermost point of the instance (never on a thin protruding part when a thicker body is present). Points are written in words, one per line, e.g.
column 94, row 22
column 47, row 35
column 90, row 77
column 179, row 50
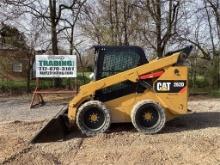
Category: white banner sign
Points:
column 55, row 66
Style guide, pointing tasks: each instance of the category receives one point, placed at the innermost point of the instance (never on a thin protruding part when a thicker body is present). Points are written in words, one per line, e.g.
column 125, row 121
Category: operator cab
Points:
column 110, row 60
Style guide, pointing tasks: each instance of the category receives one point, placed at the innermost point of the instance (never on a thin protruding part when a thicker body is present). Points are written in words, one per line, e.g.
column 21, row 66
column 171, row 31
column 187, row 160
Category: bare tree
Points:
column 161, row 21
column 214, row 6
column 111, row 22
column 70, row 24
column 52, row 14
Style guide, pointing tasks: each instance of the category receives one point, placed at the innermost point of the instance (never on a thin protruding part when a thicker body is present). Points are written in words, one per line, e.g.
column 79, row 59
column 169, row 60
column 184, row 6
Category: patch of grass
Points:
column 198, row 90
column 86, row 74
column 21, row 85
column 215, row 93
column 11, row 84
column 200, row 77
column 210, row 92
column 200, row 82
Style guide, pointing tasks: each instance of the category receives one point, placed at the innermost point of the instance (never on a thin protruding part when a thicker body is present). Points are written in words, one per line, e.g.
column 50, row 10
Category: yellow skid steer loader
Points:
column 126, row 88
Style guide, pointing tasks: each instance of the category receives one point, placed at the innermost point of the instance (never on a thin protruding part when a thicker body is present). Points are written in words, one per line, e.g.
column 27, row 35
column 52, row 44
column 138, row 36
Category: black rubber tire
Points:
column 80, row 117
column 160, row 121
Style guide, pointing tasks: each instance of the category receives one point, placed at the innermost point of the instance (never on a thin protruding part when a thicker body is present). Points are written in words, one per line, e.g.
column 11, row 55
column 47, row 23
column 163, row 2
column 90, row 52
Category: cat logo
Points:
column 170, row 86
column 163, row 86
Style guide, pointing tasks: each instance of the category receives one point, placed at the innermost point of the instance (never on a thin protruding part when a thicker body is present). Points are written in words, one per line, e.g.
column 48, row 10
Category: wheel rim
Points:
column 93, row 118
column 147, row 116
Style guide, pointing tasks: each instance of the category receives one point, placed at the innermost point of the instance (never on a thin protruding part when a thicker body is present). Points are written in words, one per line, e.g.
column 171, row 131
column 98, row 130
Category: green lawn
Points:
column 6, row 85
column 210, row 92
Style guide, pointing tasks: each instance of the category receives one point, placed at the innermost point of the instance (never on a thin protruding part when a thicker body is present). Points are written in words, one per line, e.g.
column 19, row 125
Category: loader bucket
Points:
column 54, row 130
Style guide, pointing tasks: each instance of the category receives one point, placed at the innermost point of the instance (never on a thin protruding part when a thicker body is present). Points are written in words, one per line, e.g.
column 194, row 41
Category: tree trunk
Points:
column 217, row 71
column 195, row 72
column 125, row 22
column 71, row 41
column 28, row 89
column 117, row 33
column 71, row 53
column 31, row 59
column 52, row 7
column 158, row 29
column 111, row 22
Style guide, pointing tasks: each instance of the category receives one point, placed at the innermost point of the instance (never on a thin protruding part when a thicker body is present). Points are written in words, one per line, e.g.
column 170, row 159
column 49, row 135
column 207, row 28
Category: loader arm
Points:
column 87, row 91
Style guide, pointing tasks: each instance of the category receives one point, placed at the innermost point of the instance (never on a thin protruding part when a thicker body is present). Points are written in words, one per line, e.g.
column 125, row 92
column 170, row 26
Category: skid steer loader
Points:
column 126, row 88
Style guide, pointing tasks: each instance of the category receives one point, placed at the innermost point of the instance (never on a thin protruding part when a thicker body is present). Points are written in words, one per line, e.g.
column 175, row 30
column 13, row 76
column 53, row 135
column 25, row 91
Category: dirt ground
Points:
column 192, row 139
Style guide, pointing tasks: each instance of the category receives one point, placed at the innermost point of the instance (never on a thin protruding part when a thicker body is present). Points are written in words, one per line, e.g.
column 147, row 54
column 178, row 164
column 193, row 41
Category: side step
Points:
column 54, row 130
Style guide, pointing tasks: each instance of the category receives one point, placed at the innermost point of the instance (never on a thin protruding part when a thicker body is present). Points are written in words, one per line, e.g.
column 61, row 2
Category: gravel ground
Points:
column 191, row 139
column 18, row 108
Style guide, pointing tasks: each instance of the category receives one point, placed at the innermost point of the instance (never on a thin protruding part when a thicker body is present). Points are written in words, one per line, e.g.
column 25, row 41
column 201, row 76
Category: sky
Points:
column 24, row 24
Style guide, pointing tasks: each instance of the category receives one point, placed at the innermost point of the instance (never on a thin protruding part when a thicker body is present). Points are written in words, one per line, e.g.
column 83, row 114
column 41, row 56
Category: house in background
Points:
column 14, row 63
